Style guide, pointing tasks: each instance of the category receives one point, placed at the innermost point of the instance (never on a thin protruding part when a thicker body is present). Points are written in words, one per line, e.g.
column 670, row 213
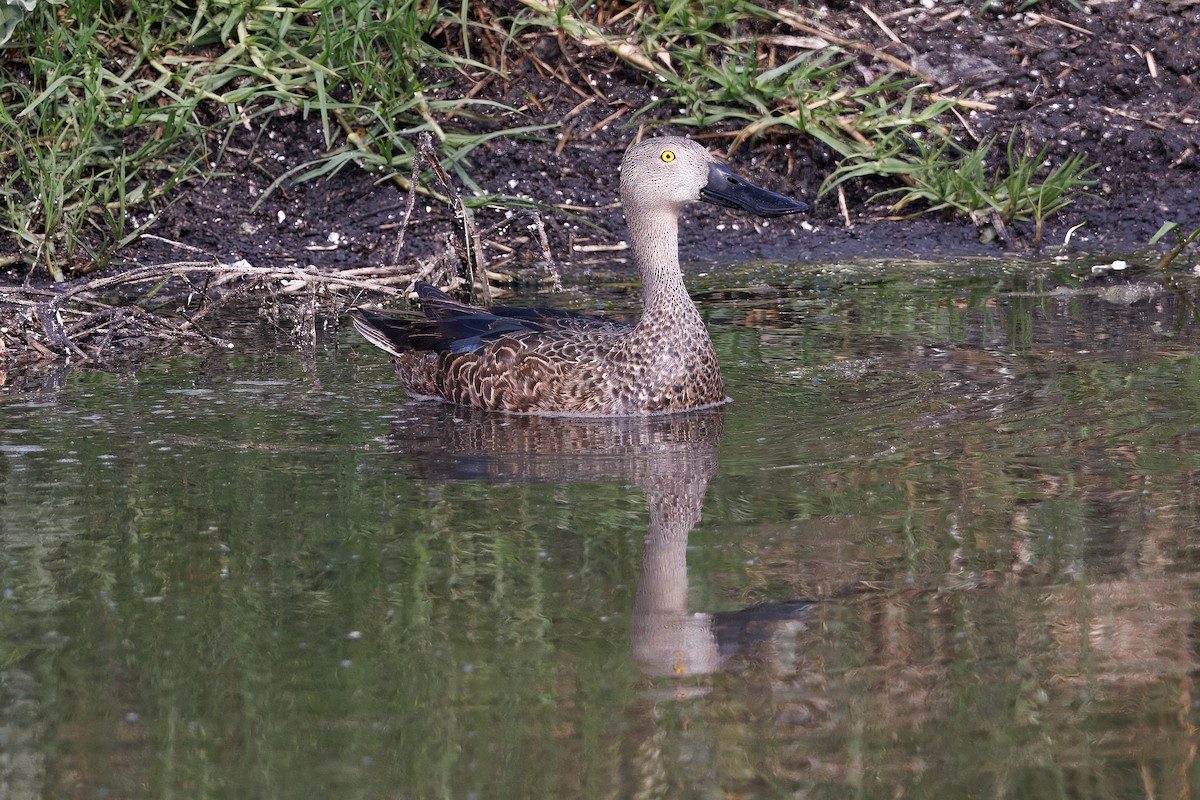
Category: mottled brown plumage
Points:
column 554, row 362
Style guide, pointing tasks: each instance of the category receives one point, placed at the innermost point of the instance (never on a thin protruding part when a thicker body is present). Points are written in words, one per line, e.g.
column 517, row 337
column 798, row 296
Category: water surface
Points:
column 941, row 545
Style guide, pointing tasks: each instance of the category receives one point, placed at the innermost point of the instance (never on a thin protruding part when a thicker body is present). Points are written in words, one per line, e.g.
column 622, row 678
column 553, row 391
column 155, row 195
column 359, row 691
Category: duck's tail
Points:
column 390, row 334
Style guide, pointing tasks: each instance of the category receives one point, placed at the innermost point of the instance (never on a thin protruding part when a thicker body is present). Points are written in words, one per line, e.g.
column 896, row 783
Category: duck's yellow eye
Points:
column 668, row 156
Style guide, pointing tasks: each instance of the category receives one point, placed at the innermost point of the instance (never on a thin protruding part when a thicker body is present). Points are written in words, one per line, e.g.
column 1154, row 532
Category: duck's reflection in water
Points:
column 670, row 457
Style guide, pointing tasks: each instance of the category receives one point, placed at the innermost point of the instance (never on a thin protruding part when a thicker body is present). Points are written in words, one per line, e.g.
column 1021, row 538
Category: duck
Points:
column 547, row 361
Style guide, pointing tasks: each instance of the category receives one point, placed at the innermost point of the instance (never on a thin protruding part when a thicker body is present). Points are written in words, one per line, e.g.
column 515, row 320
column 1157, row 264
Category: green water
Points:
column 946, row 547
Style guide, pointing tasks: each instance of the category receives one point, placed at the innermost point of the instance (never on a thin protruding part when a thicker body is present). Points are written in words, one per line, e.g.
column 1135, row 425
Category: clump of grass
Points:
column 948, row 178
column 723, row 62
column 807, row 94
column 113, row 105
column 81, row 144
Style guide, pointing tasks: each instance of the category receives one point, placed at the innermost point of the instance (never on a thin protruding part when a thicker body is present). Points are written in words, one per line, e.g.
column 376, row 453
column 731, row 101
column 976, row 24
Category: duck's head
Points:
column 673, row 171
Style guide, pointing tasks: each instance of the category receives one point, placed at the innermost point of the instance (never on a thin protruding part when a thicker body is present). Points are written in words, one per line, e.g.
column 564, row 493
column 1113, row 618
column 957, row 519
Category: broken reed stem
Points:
column 472, row 247
column 1179, row 247
column 413, row 182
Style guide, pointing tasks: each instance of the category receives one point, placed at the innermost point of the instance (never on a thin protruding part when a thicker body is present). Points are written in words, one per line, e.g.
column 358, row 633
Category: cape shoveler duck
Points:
column 534, row 360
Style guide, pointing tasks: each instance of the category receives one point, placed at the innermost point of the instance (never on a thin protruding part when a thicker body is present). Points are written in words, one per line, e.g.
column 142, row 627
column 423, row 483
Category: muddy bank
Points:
column 1118, row 84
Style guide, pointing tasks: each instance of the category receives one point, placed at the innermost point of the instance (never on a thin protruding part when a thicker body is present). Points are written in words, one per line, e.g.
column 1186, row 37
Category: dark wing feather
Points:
column 451, row 326
column 467, row 334
column 395, row 334
column 438, row 305
column 456, row 334
column 557, row 318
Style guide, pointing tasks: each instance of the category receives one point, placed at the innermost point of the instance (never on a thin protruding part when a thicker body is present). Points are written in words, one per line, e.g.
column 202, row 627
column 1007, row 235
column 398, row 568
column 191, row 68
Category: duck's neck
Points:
column 655, row 239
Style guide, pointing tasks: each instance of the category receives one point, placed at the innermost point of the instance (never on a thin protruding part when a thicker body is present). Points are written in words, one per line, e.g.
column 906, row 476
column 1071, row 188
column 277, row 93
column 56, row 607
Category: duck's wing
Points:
column 440, row 306
column 557, row 318
column 459, row 333
column 451, row 326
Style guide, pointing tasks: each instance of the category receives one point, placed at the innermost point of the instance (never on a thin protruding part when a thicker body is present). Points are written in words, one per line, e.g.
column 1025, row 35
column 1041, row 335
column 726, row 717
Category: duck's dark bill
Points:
column 726, row 188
